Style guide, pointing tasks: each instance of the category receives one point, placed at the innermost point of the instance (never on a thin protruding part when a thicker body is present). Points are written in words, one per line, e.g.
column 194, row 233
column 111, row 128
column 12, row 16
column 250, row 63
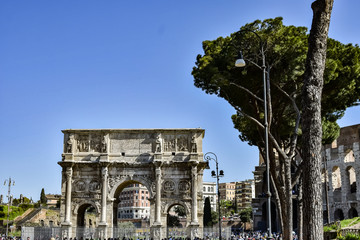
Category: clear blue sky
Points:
column 123, row 64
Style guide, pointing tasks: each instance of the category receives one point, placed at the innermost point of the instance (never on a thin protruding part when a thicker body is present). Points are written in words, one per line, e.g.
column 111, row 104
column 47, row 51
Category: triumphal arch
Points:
column 98, row 164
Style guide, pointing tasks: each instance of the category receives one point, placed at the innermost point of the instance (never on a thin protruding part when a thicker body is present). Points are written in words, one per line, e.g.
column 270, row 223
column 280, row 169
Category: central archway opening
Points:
column 176, row 221
column 131, row 211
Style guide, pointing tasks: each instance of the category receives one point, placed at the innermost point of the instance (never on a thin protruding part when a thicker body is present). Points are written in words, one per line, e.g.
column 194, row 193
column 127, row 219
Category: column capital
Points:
column 157, row 164
column 69, row 172
column 104, row 172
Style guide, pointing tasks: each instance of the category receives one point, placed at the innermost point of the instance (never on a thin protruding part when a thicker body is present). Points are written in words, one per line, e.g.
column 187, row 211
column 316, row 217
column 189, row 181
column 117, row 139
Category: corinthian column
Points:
column 194, row 173
column 69, row 173
column 104, row 174
column 158, row 194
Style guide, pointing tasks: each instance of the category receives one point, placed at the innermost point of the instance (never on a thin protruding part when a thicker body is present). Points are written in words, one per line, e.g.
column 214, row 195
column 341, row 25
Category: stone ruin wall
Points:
column 341, row 175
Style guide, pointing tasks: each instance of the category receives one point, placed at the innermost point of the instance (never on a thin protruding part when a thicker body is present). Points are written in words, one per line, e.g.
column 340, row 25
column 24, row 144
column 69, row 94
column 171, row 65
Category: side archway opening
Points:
column 86, row 216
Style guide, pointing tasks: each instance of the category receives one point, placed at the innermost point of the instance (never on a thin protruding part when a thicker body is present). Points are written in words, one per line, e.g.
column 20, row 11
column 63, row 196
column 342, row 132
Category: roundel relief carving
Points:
column 169, row 186
column 80, row 186
column 94, row 186
column 184, row 186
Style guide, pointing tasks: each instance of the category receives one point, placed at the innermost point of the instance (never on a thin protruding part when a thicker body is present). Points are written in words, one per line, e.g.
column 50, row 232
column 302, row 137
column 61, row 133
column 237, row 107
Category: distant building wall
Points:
column 209, row 190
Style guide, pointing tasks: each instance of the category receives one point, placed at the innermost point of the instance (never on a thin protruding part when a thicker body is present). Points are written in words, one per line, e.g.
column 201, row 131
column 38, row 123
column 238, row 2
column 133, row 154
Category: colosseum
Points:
column 341, row 175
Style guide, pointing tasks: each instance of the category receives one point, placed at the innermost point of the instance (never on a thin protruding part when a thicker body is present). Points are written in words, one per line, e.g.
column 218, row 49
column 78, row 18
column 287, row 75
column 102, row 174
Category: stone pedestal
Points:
column 194, row 231
column 156, row 232
column 102, row 230
column 66, row 230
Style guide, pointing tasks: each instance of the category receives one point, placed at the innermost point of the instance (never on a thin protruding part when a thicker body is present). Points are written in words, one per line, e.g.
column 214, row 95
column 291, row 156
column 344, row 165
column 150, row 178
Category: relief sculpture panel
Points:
column 83, row 143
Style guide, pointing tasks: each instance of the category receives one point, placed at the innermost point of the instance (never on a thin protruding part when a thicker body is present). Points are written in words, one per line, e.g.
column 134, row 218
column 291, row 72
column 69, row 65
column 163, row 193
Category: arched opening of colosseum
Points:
column 349, row 157
column 132, row 204
column 351, row 175
column 353, row 213
column 176, row 220
column 338, row 214
column 86, row 216
column 336, row 178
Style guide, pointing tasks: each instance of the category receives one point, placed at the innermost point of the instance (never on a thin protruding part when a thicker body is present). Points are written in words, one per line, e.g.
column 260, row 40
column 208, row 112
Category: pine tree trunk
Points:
column 288, row 223
column 311, row 119
column 300, row 211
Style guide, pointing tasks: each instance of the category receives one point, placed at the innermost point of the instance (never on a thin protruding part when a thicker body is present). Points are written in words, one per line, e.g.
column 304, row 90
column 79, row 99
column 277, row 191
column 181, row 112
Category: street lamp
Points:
column 240, row 62
column 9, row 203
column 212, row 156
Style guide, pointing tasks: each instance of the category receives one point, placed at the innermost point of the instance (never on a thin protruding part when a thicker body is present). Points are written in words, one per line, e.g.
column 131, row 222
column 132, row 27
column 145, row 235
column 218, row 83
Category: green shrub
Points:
column 26, row 206
column 330, row 228
column 351, row 236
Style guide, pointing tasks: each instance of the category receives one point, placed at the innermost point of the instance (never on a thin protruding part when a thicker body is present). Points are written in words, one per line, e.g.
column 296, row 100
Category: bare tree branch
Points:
column 247, row 90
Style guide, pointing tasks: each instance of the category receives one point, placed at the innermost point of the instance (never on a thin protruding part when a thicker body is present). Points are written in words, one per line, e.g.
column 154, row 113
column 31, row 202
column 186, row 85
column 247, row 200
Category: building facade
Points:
column 244, row 193
column 227, row 191
column 134, row 204
column 209, row 190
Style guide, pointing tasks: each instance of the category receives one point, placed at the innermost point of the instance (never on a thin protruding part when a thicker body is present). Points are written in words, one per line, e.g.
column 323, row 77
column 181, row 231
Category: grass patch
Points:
column 14, row 211
column 344, row 223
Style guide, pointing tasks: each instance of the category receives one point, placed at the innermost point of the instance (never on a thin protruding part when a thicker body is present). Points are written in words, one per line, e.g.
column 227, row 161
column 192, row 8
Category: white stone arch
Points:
column 336, row 178
column 118, row 157
column 125, row 180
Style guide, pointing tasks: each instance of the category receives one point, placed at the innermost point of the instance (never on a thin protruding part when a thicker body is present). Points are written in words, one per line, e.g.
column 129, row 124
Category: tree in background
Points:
column 214, row 217
column 180, row 211
column 42, row 196
column 245, row 215
column 227, row 207
column 286, row 48
column 207, row 220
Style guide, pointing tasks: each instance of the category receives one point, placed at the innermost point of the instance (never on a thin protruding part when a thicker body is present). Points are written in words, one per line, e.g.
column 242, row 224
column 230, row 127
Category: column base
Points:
column 66, row 230
column 156, row 232
column 194, row 231
column 102, row 230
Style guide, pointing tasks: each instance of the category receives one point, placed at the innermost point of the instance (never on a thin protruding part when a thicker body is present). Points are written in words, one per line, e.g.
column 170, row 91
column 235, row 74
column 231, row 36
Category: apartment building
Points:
column 209, row 190
column 244, row 192
column 134, row 203
column 227, row 191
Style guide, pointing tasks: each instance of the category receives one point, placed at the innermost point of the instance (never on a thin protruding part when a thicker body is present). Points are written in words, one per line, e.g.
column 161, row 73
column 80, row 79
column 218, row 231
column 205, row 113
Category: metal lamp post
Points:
column 9, row 203
column 241, row 63
column 212, row 156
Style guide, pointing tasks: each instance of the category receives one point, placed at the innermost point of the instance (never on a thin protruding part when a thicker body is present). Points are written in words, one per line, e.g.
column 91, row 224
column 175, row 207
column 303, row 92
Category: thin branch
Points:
column 247, row 90
column 271, row 137
column 296, row 128
column 268, row 96
column 252, row 62
column 297, row 174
